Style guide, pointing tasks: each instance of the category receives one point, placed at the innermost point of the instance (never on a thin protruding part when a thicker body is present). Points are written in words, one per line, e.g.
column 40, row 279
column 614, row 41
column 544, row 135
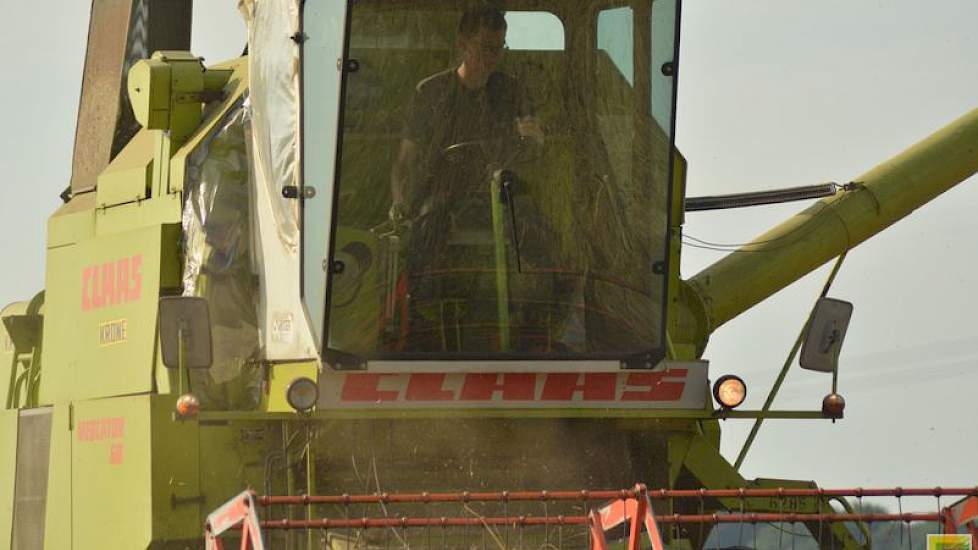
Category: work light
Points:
column 302, row 394
column 729, row 391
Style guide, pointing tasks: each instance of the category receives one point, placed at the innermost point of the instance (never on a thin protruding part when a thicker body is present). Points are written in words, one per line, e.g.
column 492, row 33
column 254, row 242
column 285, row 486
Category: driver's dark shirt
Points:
column 443, row 112
column 452, row 253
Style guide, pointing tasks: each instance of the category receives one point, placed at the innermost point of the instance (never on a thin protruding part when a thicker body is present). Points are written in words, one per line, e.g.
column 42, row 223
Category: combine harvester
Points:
column 301, row 273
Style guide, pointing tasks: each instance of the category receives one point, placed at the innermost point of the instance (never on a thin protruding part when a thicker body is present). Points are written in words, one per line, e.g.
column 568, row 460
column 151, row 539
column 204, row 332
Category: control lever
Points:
column 508, row 181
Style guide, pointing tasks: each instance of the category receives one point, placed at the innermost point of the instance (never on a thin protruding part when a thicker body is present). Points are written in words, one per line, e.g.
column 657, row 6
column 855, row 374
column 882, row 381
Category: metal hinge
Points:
column 341, row 360
column 644, row 360
column 349, row 65
column 293, row 192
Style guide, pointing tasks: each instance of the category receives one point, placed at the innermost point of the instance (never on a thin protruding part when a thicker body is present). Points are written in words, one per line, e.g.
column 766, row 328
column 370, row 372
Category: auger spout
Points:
column 873, row 202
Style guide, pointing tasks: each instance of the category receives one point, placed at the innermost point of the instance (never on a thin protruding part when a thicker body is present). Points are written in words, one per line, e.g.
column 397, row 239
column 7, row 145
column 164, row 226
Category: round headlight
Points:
column 302, row 394
column 729, row 391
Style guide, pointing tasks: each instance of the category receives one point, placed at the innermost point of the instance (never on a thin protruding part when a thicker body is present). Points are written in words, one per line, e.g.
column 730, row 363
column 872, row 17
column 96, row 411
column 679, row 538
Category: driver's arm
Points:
column 404, row 166
column 527, row 124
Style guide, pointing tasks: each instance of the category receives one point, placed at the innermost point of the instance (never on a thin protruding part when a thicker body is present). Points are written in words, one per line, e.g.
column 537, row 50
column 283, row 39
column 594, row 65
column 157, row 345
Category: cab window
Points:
column 501, row 183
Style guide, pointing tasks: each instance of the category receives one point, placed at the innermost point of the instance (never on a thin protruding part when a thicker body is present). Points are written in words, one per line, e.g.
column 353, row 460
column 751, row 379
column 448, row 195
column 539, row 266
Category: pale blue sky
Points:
column 790, row 93
column 773, row 93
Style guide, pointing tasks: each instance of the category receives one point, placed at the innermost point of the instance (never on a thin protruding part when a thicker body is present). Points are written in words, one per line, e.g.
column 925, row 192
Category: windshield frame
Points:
column 631, row 359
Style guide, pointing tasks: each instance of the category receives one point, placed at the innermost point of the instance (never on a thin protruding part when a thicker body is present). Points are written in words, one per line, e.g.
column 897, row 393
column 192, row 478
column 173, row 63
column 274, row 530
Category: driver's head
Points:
column 482, row 38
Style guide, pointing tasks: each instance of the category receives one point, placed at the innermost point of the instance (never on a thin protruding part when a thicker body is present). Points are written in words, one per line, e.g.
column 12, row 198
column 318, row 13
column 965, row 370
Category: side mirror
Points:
column 823, row 341
column 185, row 332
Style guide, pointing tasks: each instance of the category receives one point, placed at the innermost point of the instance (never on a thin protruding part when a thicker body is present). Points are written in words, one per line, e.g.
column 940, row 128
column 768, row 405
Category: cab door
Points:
column 324, row 31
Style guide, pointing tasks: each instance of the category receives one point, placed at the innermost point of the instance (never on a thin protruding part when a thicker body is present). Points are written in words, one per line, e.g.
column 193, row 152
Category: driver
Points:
column 462, row 125
column 473, row 106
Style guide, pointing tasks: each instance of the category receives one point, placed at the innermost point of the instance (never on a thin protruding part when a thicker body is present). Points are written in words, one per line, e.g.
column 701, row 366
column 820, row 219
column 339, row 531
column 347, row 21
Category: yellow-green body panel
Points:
column 73, row 222
column 8, row 463
column 149, row 91
column 701, row 458
column 58, row 511
column 176, row 485
column 129, row 177
column 20, row 352
column 164, row 210
column 233, row 456
column 236, row 87
column 127, row 218
column 102, row 312
column 122, row 472
column 110, row 443
column 140, row 473
column 279, row 378
column 7, row 351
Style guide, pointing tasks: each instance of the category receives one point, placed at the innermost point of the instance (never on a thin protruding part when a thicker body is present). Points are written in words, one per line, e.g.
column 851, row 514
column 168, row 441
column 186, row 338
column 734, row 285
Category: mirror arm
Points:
column 182, row 371
column 835, row 373
column 787, row 364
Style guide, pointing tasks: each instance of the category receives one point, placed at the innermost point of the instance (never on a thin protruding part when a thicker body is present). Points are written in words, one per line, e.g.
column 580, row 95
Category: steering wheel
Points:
column 465, row 152
column 526, row 150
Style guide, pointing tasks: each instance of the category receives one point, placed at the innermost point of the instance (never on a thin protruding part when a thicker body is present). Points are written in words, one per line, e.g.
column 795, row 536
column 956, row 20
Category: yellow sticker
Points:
column 113, row 332
column 949, row 542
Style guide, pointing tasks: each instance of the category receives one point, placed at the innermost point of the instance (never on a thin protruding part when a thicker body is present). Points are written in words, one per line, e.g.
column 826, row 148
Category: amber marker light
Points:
column 188, row 406
column 729, row 391
column 833, row 406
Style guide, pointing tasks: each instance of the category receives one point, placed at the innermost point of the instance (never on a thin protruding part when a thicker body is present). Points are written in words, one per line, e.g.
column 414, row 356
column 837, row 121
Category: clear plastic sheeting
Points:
column 274, row 94
column 220, row 260
column 273, row 59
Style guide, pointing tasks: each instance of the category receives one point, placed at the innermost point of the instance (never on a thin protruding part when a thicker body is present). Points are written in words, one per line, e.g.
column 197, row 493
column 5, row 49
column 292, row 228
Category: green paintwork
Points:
column 128, row 510
column 703, row 460
column 675, row 346
column 773, row 392
column 148, row 86
column 8, row 368
column 279, row 409
column 502, row 269
column 80, row 366
column 73, row 222
column 154, row 495
column 57, row 519
column 279, row 378
column 20, row 352
column 881, row 197
column 237, row 85
column 233, row 455
column 129, row 177
column 176, row 483
column 166, row 93
column 123, row 218
column 168, row 90
column 110, row 224
column 8, row 461
column 140, row 473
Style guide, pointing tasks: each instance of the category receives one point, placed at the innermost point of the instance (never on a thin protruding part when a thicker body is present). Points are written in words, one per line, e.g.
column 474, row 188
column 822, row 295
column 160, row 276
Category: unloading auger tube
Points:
column 789, row 251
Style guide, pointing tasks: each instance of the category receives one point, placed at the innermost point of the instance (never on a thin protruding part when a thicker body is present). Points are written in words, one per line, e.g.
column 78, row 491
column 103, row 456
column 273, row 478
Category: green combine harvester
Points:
column 399, row 247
